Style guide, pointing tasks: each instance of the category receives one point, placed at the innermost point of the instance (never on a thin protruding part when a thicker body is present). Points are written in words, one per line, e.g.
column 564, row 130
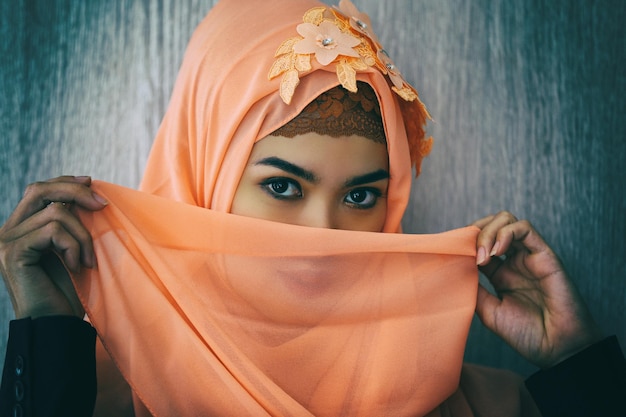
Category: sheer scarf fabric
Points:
column 212, row 314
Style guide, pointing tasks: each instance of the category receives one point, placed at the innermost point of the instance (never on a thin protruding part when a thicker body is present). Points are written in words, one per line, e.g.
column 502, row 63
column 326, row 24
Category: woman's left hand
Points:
column 537, row 309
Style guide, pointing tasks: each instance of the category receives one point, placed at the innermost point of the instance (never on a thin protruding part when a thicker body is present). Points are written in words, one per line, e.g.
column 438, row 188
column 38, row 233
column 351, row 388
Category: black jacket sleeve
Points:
column 49, row 369
column 590, row 383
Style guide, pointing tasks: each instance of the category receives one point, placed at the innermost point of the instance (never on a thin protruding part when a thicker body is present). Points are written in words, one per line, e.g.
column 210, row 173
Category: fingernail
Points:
column 480, row 257
column 100, row 199
column 495, row 249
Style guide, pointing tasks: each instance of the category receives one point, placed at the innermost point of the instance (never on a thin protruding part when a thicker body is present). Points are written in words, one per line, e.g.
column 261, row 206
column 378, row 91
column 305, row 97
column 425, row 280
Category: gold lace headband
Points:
column 338, row 112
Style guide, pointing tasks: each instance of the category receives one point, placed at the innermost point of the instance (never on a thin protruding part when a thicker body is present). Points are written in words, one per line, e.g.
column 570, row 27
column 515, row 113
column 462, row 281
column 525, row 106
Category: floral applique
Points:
column 325, row 41
column 359, row 21
column 342, row 36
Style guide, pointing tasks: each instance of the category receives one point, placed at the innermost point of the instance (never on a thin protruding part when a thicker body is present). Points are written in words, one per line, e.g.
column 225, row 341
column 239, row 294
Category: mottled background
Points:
column 528, row 99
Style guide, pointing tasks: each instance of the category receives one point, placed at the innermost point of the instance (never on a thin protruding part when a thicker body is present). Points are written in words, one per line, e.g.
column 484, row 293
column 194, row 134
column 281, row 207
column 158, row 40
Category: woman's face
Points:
column 316, row 180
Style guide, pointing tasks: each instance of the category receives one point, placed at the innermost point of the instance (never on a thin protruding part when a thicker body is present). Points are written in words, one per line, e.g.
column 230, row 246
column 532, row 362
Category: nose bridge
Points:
column 319, row 212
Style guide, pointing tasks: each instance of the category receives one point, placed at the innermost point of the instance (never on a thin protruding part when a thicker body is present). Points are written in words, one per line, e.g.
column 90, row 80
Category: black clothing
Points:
column 590, row 383
column 49, row 369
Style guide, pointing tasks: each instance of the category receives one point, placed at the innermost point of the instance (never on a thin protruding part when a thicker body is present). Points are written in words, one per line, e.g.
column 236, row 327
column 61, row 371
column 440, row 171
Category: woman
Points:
column 297, row 149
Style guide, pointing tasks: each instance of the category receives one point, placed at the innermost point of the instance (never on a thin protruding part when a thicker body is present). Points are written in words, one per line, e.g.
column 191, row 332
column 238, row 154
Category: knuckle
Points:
column 54, row 228
column 507, row 215
column 34, row 193
column 56, row 211
column 34, row 188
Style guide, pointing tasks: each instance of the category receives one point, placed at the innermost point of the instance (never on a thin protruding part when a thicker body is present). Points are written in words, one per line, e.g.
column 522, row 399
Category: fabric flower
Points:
column 326, row 41
column 392, row 70
column 359, row 21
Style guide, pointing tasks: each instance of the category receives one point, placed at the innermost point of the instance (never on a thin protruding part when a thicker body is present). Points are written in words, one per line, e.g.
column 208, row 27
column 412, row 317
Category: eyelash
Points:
column 361, row 206
column 269, row 184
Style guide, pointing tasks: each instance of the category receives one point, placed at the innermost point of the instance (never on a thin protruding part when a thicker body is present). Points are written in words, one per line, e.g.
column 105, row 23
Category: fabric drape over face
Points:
column 209, row 313
column 215, row 314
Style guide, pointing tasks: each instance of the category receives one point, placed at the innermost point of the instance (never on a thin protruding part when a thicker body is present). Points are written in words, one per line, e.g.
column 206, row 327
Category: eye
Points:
column 282, row 188
column 362, row 198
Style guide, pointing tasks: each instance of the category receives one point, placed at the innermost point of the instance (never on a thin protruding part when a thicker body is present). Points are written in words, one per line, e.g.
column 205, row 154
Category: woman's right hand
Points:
column 42, row 238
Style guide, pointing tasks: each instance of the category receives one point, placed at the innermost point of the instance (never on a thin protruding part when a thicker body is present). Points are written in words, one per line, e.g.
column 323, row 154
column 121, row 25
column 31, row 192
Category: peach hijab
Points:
column 206, row 313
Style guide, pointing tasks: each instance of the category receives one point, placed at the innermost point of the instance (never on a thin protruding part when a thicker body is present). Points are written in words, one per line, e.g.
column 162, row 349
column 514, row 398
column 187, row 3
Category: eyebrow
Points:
column 381, row 174
column 279, row 163
column 309, row 176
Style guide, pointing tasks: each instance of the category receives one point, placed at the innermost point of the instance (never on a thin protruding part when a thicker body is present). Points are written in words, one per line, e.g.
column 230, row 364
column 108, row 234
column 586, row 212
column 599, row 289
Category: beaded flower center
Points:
column 326, row 41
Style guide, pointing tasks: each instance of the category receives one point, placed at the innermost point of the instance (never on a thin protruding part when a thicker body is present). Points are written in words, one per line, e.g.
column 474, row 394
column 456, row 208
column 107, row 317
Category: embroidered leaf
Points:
column 282, row 64
column 303, row 62
column 287, row 46
column 406, row 93
column 370, row 61
column 314, row 15
column 357, row 64
column 288, row 85
column 344, row 25
column 367, row 54
column 347, row 76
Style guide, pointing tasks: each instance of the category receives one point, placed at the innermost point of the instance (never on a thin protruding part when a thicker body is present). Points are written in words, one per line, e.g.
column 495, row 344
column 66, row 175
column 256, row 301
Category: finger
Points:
column 486, row 242
column 29, row 250
column 520, row 235
column 504, row 277
column 480, row 223
column 84, row 180
column 489, row 269
column 486, row 306
column 81, row 179
column 528, row 236
column 82, row 184
column 39, row 194
column 56, row 213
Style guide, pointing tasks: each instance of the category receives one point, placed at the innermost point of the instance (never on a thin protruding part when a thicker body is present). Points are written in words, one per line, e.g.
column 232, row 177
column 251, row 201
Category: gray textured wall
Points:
column 528, row 99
